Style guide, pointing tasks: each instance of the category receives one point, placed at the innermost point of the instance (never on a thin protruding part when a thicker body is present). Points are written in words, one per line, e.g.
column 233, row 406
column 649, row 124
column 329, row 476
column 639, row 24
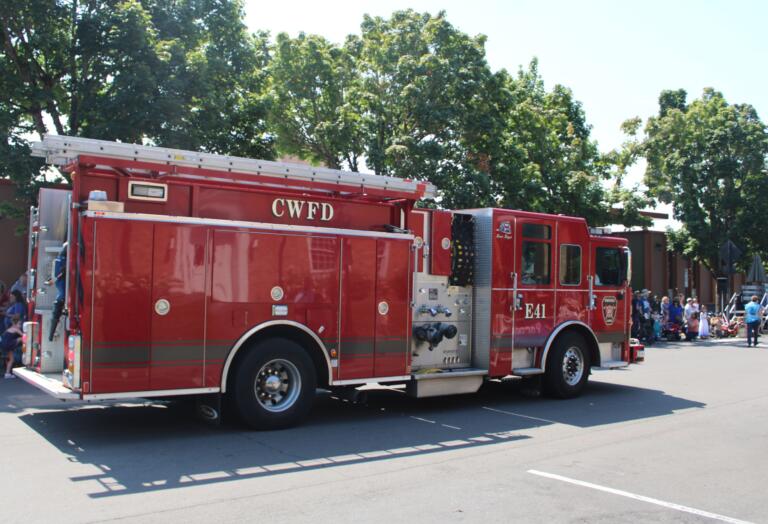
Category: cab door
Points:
column 536, row 270
column 608, row 316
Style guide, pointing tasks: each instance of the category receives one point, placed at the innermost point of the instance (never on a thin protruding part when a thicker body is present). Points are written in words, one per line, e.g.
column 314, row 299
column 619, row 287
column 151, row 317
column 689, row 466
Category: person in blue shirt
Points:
column 16, row 310
column 676, row 313
column 752, row 314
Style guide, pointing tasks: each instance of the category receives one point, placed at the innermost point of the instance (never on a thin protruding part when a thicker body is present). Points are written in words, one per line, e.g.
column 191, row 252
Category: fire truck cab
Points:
column 258, row 282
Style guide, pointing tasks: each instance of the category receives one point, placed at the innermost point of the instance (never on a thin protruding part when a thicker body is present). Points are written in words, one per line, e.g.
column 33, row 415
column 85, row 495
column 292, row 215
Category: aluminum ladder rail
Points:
column 63, row 150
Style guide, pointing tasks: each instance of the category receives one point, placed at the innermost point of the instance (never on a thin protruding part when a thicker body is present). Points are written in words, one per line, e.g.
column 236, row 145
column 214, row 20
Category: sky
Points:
column 616, row 56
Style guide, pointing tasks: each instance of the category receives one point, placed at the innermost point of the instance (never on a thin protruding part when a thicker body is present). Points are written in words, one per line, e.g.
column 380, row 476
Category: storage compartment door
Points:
column 358, row 307
column 178, row 307
column 393, row 270
column 122, row 302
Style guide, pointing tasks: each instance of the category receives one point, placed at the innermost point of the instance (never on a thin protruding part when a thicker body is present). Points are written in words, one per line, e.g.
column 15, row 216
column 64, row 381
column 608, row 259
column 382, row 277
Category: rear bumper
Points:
column 49, row 383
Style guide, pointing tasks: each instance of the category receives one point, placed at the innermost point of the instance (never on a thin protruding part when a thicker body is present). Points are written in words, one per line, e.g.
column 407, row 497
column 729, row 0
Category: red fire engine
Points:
column 258, row 282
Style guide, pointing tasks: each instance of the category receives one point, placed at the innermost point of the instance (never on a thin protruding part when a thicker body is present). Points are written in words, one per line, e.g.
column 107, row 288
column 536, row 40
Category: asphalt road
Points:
column 680, row 438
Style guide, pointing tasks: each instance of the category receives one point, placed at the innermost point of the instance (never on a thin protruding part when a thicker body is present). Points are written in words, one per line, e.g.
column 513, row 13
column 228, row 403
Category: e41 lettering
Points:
column 535, row 311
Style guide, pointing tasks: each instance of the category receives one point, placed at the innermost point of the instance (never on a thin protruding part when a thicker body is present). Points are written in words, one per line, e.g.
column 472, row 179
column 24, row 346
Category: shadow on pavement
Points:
column 139, row 447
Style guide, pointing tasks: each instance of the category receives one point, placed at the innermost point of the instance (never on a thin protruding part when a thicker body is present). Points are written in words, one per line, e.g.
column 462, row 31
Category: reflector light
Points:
column 279, row 311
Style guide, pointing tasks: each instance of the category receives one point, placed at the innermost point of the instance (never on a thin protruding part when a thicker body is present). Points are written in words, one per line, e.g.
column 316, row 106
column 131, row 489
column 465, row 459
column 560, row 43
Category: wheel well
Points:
column 589, row 339
column 302, row 338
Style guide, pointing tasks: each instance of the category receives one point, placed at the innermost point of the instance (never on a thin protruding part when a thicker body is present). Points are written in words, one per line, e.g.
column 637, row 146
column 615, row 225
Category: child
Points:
column 9, row 342
column 692, row 328
column 657, row 325
column 703, row 322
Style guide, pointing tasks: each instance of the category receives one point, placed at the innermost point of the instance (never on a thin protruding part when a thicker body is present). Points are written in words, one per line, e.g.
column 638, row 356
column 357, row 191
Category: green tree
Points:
column 627, row 202
column 314, row 110
column 708, row 159
column 547, row 161
column 415, row 98
column 427, row 103
column 214, row 80
column 179, row 73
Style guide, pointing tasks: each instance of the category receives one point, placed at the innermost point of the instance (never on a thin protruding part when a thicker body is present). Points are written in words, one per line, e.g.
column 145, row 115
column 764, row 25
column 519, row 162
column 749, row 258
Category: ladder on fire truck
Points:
column 65, row 150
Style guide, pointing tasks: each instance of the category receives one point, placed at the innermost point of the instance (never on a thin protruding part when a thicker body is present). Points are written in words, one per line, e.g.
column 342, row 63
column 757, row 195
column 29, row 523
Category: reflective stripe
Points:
column 354, row 348
column 163, row 352
column 391, row 346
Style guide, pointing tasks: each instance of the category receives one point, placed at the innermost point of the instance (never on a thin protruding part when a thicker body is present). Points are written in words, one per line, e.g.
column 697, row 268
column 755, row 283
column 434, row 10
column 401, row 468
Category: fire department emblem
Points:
column 610, row 306
column 504, row 230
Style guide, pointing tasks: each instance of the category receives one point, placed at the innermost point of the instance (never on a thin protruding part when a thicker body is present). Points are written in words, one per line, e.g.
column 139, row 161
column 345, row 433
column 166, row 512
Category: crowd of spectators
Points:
column 677, row 318
column 654, row 318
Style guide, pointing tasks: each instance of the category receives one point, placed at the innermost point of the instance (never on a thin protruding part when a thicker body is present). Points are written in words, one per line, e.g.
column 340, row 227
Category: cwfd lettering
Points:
column 302, row 209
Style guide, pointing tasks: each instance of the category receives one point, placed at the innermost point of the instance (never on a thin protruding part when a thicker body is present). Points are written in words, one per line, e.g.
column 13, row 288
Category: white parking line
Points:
column 670, row 505
column 522, row 416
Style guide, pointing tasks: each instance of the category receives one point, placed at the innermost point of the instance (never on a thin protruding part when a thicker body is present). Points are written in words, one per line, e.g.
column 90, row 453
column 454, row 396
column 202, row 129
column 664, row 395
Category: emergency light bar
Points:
column 63, row 150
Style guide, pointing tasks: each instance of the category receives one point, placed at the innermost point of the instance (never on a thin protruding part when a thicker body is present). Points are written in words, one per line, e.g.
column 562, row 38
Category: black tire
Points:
column 274, row 384
column 567, row 379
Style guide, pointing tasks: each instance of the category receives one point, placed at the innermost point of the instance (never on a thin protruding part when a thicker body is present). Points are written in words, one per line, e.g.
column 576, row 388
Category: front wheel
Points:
column 567, row 367
column 274, row 384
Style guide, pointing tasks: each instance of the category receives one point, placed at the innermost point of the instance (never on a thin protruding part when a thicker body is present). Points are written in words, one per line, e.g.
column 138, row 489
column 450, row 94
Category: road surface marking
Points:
column 522, row 416
column 643, row 498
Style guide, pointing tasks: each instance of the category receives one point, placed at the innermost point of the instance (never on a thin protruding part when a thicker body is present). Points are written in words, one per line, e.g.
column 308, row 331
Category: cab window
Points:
column 539, row 231
column 535, row 263
column 570, row 265
column 608, row 266
column 536, row 258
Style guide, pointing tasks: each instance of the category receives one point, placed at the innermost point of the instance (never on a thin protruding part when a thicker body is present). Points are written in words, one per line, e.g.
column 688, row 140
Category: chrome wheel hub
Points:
column 573, row 366
column 277, row 385
column 272, row 384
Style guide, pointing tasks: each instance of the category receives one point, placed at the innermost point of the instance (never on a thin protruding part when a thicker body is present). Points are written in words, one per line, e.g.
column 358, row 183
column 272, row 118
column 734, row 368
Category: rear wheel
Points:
column 567, row 367
column 274, row 384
